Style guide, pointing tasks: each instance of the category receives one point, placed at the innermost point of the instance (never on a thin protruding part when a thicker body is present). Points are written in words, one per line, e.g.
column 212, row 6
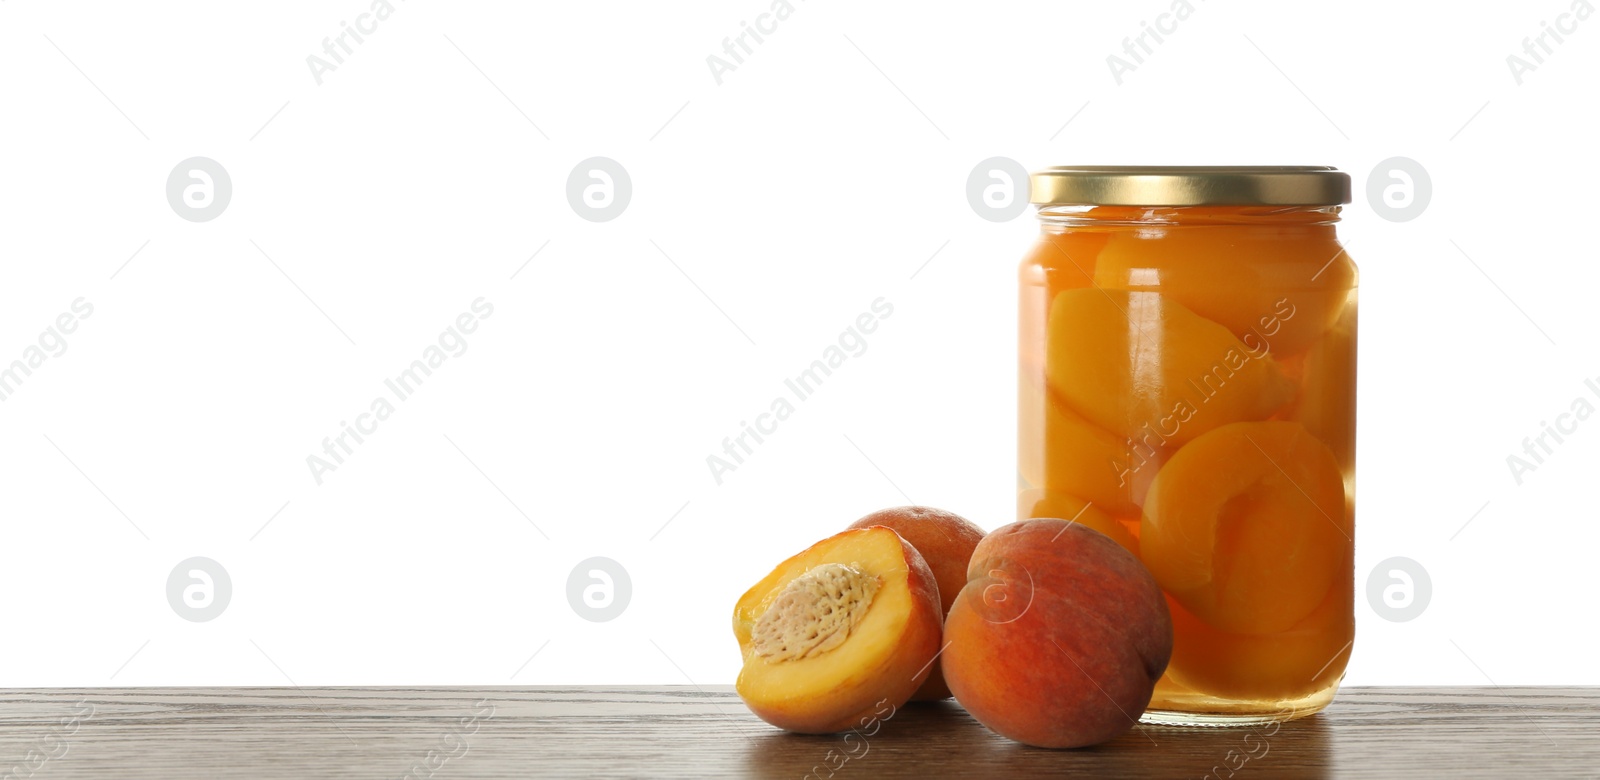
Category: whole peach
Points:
column 1059, row 636
column 946, row 541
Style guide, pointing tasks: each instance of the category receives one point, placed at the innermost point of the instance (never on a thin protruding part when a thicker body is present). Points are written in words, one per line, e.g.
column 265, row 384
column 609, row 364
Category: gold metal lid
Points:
column 1190, row 185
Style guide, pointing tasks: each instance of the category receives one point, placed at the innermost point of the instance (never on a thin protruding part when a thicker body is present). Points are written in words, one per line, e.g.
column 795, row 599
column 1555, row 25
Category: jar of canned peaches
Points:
column 1187, row 387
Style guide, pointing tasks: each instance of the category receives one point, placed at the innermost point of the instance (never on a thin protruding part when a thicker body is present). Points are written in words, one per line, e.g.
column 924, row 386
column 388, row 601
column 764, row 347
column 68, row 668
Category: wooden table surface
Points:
column 500, row 732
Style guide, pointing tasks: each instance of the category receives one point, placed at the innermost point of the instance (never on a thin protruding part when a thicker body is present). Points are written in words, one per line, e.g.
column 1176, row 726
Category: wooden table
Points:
column 689, row 732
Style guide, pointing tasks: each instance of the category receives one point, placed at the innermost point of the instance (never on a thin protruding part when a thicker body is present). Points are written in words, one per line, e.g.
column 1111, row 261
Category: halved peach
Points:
column 1066, row 258
column 1058, row 261
column 1142, row 365
column 838, row 631
column 1246, row 526
column 1033, row 504
column 1058, row 449
column 946, row 541
column 1327, row 401
column 1301, row 660
column 1275, row 290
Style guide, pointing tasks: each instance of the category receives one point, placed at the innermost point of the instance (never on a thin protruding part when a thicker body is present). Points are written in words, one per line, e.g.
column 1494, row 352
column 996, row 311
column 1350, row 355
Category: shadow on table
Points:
column 940, row 739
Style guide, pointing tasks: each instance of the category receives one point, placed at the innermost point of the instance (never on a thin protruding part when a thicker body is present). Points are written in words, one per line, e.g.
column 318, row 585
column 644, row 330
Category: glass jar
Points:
column 1187, row 387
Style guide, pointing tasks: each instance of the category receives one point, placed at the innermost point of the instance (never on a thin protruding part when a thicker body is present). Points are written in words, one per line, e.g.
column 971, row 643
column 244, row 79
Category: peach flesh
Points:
column 946, row 541
column 857, row 628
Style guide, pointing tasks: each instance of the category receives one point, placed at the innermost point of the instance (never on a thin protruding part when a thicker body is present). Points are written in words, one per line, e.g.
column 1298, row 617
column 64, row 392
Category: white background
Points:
column 820, row 175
